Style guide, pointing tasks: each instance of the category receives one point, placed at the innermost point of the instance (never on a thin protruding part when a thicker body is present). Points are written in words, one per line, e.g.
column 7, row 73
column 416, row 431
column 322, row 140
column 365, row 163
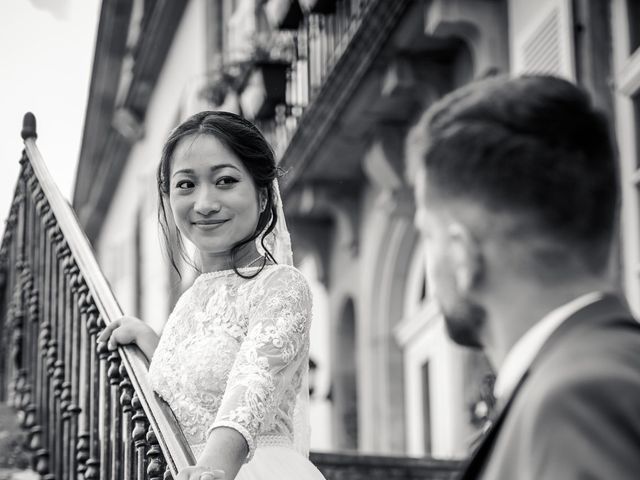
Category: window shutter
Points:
column 545, row 45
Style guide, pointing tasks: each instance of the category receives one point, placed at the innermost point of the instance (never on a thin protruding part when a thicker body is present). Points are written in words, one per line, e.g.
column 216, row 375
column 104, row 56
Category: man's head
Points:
column 513, row 177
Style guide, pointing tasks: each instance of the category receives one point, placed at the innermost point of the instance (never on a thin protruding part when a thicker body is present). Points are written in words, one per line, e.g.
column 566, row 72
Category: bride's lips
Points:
column 209, row 224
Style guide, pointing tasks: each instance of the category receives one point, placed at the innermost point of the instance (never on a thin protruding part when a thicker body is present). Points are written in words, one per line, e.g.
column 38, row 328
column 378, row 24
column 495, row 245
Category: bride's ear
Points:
column 263, row 195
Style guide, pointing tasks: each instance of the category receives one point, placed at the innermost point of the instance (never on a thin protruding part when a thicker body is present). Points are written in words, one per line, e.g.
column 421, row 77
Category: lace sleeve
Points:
column 271, row 354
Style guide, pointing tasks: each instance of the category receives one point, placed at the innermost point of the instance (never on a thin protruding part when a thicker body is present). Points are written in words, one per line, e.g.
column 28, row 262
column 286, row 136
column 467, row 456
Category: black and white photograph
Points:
column 320, row 240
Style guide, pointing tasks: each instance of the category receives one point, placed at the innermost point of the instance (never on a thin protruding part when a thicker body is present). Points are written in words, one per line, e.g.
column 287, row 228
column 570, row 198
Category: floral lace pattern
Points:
column 233, row 354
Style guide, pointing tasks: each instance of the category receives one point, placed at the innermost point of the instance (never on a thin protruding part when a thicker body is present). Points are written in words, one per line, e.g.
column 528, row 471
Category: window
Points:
column 433, row 372
column 416, row 291
column 633, row 16
column 544, row 42
column 636, row 126
column 626, row 65
column 426, row 408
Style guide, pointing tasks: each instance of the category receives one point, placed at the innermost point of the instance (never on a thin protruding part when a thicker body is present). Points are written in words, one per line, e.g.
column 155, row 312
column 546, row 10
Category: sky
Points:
column 46, row 56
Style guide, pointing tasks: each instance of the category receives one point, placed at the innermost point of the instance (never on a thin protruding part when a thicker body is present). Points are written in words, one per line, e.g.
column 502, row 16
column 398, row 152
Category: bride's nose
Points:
column 207, row 201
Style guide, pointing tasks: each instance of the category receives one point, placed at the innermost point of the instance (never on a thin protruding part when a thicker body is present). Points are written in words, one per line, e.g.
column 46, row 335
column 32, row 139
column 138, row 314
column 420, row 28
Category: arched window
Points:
column 433, row 369
column 416, row 291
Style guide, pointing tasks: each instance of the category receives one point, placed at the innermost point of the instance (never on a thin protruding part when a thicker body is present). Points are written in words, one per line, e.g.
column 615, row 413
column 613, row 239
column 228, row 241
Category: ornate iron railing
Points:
column 88, row 412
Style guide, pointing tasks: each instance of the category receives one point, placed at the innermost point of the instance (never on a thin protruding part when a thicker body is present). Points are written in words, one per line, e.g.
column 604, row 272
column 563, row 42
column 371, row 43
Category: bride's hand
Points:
column 127, row 330
column 200, row 473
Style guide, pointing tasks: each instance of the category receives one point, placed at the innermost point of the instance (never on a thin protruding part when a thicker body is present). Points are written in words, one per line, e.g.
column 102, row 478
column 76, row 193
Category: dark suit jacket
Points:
column 576, row 413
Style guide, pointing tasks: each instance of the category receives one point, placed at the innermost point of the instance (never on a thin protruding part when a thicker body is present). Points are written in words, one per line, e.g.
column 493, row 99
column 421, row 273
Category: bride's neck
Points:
column 247, row 255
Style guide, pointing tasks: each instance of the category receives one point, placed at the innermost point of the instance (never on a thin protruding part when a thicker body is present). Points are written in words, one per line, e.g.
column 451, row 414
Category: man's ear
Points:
column 466, row 256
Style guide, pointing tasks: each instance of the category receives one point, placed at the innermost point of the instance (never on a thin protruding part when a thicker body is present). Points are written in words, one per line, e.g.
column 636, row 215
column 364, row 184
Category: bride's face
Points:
column 213, row 198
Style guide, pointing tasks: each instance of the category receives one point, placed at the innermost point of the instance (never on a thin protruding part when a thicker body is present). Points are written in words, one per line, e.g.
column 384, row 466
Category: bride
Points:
column 232, row 361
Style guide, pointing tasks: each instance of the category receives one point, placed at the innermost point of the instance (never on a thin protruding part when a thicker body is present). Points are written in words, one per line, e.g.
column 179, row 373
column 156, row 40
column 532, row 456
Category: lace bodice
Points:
column 233, row 353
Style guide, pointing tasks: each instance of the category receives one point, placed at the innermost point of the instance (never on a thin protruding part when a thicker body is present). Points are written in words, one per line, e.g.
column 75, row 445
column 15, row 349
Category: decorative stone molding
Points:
column 340, row 202
column 385, row 168
column 481, row 24
column 383, row 163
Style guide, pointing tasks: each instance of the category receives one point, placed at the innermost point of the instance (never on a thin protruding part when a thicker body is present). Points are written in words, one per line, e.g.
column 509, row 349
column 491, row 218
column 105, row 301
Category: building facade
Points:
column 336, row 86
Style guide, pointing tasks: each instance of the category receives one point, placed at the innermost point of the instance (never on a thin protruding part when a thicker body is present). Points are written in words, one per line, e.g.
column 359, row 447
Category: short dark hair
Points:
column 533, row 145
column 253, row 150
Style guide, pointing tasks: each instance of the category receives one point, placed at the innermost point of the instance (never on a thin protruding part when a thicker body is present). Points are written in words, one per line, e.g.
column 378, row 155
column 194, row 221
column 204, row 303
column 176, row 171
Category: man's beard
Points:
column 465, row 323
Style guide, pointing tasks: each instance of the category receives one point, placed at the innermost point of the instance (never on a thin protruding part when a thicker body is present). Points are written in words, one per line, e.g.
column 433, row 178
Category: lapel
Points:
column 474, row 466
column 607, row 308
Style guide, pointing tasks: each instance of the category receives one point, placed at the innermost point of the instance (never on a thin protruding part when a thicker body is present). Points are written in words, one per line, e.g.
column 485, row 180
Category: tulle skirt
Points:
column 278, row 463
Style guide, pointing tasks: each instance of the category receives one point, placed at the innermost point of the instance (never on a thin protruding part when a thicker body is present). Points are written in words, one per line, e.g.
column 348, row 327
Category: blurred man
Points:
column 516, row 191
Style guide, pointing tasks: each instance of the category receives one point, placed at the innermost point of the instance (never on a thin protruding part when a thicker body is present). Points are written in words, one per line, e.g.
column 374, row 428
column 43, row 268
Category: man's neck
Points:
column 516, row 309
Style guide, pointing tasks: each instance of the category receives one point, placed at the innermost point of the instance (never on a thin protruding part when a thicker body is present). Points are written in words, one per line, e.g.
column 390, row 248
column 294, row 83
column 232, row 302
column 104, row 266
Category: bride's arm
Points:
column 223, row 455
column 225, row 450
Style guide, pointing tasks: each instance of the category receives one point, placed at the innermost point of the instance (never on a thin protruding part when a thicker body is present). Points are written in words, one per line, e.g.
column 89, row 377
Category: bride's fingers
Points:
column 199, row 473
column 112, row 343
column 116, row 339
column 214, row 475
column 108, row 330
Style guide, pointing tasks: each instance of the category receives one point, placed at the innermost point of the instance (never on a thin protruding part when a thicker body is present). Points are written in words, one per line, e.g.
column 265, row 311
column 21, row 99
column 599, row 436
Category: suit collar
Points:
column 524, row 351
column 608, row 308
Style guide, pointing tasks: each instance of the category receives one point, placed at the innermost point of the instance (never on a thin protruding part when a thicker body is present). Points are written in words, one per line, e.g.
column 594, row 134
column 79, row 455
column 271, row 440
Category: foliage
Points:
column 267, row 47
column 12, row 453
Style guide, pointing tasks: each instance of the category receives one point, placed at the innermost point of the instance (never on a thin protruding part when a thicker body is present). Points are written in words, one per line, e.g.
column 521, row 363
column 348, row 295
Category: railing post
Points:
column 3, row 315
column 82, row 449
column 33, row 423
column 73, row 409
column 125, row 401
column 17, row 319
column 104, row 409
column 138, row 435
column 155, row 469
column 93, row 463
column 42, row 453
column 115, row 426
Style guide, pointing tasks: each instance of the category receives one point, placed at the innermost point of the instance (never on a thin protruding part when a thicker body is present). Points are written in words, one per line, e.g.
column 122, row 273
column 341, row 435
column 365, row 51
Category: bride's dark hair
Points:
column 255, row 153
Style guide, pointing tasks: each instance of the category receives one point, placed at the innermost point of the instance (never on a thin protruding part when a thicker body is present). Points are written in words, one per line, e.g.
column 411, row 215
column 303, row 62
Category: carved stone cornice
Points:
column 482, row 25
column 110, row 49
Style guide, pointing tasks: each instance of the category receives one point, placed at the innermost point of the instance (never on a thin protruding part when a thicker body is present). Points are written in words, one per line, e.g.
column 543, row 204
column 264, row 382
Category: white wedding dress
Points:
column 234, row 353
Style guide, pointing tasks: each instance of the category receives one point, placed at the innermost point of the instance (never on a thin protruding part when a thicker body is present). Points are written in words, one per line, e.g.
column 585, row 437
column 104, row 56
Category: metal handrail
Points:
column 174, row 446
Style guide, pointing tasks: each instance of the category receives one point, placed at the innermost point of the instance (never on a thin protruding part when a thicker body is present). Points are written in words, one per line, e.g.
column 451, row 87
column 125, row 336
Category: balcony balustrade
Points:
column 318, row 43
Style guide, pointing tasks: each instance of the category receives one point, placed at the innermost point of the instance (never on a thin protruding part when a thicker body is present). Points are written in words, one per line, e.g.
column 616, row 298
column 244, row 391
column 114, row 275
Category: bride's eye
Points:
column 226, row 181
column 184, row 184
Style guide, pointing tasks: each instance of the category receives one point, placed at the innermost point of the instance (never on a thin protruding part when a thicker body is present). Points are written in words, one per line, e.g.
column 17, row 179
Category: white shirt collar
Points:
column 522, row 354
